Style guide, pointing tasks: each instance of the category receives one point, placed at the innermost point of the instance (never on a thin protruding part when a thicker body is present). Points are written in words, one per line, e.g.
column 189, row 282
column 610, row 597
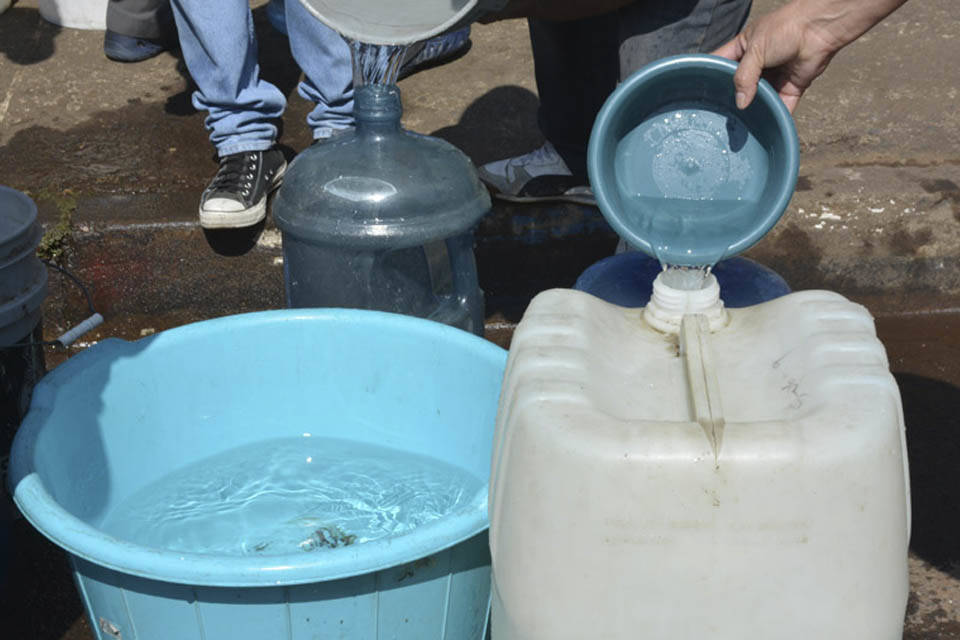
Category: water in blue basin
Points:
column 292, row 494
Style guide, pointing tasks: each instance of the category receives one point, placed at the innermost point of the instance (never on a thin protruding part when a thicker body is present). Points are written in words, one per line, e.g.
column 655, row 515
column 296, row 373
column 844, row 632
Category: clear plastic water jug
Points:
column 382, row 218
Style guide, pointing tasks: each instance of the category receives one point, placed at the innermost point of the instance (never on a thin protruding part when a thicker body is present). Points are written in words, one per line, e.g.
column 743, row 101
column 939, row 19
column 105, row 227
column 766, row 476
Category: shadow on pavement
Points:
column 25, row 37
column 931, row 409
column 233, row 242
column 502, row 123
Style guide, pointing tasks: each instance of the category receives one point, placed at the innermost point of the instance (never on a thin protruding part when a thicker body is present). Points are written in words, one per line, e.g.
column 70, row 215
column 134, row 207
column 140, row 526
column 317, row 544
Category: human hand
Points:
column 782, row 48
column 793, row 45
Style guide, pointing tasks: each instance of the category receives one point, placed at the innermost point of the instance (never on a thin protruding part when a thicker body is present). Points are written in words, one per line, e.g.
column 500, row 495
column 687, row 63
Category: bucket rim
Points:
column 87, row 541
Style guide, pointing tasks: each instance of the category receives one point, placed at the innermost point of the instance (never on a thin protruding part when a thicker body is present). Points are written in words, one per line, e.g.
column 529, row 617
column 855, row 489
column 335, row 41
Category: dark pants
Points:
column 140, row 18
column 579, row 63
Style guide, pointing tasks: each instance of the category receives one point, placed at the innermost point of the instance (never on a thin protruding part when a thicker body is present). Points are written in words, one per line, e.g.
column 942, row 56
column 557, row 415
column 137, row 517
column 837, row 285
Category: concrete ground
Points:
column 115, row 156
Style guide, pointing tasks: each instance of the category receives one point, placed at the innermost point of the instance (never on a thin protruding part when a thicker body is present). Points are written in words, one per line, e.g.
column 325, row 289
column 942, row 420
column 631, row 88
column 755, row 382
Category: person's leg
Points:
column 658, row 28
column 574, row 81
column 576, row 67
column 151, row 19
column 579, row 63
column 137, row 29
column 220, row 51
column 324, row 57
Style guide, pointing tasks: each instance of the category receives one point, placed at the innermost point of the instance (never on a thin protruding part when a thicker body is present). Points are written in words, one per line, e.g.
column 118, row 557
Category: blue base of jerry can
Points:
column 626, row 279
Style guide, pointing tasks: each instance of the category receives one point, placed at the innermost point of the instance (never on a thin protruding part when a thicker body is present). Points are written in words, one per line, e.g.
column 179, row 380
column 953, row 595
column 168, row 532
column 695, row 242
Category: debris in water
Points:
column 329, row 537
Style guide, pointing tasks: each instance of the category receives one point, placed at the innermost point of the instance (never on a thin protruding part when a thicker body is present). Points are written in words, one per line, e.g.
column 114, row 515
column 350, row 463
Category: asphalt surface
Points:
column 116, row 156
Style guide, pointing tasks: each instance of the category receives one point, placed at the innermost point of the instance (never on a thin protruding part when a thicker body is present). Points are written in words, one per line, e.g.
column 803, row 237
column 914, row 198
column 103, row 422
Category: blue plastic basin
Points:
column 680, row 172
column 123, row 414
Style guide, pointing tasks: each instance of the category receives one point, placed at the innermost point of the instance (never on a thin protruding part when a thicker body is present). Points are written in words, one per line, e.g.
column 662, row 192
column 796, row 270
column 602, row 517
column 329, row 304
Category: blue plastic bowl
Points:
column 122, row 414
column 680, row 172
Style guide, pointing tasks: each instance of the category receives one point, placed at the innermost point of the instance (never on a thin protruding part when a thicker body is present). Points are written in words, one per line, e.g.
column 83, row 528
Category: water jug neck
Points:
column 668, row 305
column 377, row 108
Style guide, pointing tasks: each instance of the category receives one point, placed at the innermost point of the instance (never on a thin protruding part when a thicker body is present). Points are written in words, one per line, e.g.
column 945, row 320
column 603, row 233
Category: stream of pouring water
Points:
column 376, row 63
column 685, row 278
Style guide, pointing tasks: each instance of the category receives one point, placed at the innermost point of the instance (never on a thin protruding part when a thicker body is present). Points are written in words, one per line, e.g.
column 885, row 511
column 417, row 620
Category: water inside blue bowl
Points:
column 289, row 495
column 691, row 177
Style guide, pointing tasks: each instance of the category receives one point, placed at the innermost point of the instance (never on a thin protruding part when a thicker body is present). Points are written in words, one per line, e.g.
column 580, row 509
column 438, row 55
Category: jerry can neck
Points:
column 669, row 305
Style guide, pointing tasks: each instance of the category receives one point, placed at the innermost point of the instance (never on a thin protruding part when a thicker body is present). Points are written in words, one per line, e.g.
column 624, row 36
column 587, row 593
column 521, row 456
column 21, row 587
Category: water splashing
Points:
column 376, row 63
column 291, row 495
column 685, row 278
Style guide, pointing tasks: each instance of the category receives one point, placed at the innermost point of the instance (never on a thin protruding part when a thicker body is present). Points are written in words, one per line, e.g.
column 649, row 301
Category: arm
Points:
column 796, row 42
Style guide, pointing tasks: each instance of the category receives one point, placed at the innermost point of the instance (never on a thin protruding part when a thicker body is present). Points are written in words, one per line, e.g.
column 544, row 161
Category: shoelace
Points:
column 236, row 173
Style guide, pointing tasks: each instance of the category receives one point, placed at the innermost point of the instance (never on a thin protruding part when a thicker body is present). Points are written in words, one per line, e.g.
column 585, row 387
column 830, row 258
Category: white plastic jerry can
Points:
column 733, row 475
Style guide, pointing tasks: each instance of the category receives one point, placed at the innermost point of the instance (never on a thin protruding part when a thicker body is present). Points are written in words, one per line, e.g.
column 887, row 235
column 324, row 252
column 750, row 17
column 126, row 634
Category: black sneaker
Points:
column 237, row 195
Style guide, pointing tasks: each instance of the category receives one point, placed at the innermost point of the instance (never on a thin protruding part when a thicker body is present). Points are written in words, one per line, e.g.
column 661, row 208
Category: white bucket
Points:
column 77, row 14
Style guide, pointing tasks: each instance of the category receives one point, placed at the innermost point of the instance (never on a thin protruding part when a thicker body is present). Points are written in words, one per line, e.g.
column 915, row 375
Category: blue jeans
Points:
column 220, row 50
column 579, row 63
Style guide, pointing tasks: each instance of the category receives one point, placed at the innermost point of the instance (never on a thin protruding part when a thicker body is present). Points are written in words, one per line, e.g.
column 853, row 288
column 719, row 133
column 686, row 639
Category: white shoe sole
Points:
column 234, row 219
column 243, row 218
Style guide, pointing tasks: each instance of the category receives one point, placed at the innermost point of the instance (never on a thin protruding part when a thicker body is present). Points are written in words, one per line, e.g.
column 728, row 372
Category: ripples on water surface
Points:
column 290, row 494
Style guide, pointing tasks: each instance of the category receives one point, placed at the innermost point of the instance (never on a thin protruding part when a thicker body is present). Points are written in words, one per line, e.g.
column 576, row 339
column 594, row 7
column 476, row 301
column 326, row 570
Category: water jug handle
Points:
column 466, row 290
